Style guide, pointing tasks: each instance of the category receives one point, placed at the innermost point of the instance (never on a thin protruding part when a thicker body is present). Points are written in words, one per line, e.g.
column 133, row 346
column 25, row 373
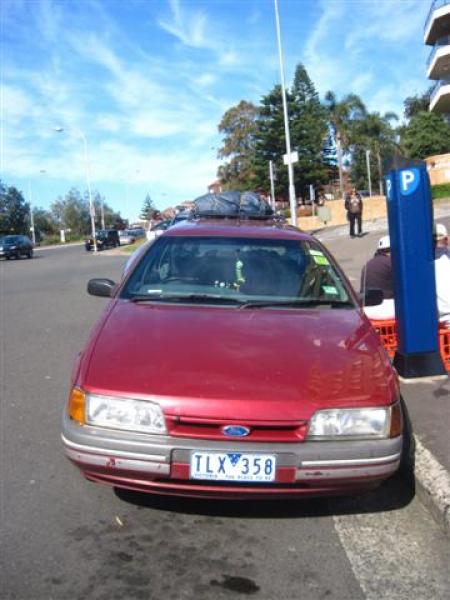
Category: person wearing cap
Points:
column 441, row 241
column 442, row 272
column 377, row 274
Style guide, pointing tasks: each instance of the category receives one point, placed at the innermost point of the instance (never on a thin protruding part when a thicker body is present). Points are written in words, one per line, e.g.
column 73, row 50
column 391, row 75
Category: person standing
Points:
column 442, row 272
column 354, row 207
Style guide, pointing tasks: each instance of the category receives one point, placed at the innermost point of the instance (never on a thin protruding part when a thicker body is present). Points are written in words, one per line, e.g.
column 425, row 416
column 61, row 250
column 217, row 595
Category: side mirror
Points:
column 100, row 287
column 372, row 297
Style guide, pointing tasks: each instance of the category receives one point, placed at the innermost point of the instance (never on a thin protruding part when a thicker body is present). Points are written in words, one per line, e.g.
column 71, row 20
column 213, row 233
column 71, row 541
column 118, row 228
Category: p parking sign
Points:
column 409, row 180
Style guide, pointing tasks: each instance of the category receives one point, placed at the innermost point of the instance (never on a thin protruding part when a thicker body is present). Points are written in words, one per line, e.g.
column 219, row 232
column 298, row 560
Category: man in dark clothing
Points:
column 354, row 207
column 377, row 273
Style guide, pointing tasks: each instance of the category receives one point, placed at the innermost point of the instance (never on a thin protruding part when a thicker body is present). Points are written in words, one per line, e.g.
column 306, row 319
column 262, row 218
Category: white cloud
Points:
column 354, row 47
column 192, row 28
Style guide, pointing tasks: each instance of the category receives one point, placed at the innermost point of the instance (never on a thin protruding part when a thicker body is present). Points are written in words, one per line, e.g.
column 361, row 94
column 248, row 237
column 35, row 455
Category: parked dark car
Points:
column 138, row 232
column 106, row 238
column 15, row 246
column 246, row 369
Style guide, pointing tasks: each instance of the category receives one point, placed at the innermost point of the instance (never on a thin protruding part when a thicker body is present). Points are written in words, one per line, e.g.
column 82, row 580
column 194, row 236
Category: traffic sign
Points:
column 290, row 158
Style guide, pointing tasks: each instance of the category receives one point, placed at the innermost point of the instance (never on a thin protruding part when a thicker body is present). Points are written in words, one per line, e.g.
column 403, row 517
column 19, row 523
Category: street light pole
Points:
column 368, row 172
column 33, row 234
column 88, row 179
column 292, row 198
column 272, row 184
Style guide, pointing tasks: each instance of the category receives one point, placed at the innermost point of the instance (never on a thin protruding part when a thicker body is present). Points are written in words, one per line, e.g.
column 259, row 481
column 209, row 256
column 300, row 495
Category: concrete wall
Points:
column 438, row 168
column 374, row 208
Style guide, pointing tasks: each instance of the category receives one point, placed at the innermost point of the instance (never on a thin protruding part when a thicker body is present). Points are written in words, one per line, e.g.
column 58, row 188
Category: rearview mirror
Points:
column 100, row 287
column 372, row 297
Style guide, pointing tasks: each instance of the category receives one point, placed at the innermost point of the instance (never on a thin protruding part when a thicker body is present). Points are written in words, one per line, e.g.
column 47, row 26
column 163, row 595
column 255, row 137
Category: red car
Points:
column 246, row 368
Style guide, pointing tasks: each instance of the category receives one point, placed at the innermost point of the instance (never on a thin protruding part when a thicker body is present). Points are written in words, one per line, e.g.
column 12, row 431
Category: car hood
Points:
column 216, row 362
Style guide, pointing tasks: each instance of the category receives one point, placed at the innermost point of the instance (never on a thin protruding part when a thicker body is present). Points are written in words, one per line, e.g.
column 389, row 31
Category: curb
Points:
column 432, row 484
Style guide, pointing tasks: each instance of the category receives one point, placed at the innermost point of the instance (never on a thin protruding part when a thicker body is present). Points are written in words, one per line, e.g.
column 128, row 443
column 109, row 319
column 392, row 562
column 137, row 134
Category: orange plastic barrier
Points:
column 387, row 330
column 444, row 344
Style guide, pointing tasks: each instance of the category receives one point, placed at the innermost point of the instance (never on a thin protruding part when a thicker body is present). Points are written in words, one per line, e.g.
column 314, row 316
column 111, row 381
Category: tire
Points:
column 30, row 254
column 18, row 255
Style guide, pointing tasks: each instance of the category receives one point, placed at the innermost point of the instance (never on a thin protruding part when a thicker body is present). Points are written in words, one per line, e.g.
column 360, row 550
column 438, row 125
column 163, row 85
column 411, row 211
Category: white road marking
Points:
column 389, row 553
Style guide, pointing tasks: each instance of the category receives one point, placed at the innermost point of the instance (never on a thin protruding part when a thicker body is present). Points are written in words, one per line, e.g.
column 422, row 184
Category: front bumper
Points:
column 160, row 464
column 7, row 253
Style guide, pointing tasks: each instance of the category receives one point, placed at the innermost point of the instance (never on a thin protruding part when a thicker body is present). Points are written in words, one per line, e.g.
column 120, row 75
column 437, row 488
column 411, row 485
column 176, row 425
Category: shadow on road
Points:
column 394, row 494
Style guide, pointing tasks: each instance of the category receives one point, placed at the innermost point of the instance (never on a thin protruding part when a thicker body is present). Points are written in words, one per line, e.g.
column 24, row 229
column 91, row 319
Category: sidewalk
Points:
column 427, row 401
column 428, row 404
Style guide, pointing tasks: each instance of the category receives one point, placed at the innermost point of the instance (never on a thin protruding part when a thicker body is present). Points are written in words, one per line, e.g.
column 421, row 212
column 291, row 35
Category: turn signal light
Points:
column 76, row 408
column 396, row 420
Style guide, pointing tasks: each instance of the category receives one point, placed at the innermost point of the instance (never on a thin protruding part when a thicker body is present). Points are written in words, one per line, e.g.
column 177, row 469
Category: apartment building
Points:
column 437, row 35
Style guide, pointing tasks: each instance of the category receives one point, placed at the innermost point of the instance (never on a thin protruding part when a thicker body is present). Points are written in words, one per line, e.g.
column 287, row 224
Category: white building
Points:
column 437, row 35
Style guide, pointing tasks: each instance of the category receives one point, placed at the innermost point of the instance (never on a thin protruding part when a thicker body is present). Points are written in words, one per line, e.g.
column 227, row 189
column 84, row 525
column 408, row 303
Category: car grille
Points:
column 260, row 431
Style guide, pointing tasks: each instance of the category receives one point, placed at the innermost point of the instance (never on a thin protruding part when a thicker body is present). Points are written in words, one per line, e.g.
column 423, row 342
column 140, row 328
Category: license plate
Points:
column 233, row 466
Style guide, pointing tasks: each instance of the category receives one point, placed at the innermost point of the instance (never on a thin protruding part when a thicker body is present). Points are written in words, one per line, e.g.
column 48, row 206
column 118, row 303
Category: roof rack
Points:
column 233, row 205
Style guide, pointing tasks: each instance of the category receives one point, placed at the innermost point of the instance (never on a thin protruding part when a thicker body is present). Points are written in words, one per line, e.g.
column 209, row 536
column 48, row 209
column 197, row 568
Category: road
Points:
column 64, row 538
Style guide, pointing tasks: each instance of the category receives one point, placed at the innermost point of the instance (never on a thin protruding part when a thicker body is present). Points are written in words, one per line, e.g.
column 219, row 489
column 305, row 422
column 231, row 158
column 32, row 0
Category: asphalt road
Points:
column 64, row 538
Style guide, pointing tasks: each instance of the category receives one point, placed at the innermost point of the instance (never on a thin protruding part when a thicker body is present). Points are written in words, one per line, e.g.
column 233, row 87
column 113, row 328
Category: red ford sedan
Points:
column 246, row 368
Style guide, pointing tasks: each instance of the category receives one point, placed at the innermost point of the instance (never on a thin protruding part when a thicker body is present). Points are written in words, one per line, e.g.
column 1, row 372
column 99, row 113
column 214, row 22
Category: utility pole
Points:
column 292, row 197
column 272, row 183
column 102, row 211
column 368, row 171
column 33, row 234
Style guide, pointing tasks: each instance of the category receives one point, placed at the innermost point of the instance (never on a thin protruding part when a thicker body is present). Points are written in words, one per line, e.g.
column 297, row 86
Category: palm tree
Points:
column 376, row 133
column 343, row 116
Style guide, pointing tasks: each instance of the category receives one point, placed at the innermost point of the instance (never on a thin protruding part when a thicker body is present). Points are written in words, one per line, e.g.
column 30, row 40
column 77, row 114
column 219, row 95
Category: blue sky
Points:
column 147, row 82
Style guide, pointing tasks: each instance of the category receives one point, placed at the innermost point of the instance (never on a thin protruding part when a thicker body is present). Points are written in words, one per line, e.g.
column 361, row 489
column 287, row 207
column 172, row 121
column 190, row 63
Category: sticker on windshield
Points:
column 330, row 289
column 315, row 252
column 321, row 260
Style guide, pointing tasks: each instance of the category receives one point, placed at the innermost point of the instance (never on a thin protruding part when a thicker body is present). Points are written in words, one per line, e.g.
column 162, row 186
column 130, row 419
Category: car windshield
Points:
column 237, row 271
column 10, row 239
column 101, row 235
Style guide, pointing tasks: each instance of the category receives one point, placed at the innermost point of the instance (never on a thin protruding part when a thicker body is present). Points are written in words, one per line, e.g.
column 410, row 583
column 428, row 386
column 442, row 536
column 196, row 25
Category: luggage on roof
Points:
column 232, row 204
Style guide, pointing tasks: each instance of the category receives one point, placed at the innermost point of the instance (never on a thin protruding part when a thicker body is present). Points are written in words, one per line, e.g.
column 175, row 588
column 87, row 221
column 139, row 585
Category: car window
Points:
column 239, row 268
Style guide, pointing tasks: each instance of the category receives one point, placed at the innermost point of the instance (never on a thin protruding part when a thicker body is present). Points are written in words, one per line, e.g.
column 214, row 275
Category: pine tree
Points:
column 270, row 142
column 309, row 132
column 148, row 209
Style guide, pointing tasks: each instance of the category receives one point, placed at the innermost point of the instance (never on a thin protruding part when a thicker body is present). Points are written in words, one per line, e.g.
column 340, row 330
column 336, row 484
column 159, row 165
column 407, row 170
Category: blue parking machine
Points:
column 410, row 217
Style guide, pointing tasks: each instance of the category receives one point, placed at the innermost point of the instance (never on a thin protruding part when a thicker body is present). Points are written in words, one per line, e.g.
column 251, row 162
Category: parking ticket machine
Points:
column 410, row 217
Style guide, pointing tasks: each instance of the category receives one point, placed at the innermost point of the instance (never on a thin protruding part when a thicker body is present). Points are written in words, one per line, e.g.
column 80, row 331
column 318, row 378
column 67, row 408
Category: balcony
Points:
column 437, row 24
column 438, row 64
column 440, row 97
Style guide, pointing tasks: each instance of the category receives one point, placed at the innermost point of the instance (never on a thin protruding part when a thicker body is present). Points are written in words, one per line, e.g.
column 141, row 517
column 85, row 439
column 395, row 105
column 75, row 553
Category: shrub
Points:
column 440, row 191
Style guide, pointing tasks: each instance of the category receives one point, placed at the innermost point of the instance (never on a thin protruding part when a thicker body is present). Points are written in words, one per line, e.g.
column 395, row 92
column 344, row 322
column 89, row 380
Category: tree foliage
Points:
column 148, row 210
column 426, row 134
column 413, row 105
column 239, row 127
column 309, row 132
column 373, row 133
column 14, row 211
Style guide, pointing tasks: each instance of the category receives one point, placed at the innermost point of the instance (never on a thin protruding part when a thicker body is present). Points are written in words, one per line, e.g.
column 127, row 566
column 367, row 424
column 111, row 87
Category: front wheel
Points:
column 30, row 254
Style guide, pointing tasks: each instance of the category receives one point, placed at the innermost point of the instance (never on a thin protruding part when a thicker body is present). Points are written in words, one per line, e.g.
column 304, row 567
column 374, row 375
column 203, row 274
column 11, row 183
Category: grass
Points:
column 130, row 248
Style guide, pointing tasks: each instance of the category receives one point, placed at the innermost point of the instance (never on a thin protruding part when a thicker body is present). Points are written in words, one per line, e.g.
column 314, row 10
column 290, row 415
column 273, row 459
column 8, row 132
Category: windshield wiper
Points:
column 297, row 303
column 200, row 298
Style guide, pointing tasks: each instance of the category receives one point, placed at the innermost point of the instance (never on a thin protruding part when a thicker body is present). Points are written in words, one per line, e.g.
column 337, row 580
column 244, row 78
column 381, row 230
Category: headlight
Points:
column 116, row 413
column 356, row 423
